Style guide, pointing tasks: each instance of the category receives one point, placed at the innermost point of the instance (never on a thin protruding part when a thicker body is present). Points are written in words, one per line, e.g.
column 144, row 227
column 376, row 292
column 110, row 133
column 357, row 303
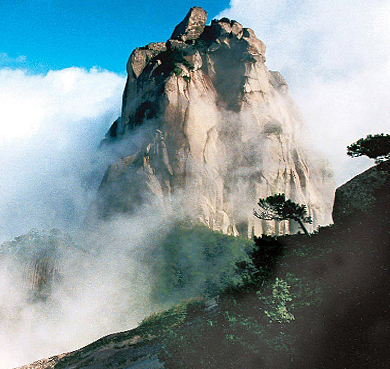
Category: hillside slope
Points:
column 318, row 302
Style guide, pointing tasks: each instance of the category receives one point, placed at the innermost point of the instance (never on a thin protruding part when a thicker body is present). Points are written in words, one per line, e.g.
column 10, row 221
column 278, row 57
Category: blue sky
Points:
column 55, row 34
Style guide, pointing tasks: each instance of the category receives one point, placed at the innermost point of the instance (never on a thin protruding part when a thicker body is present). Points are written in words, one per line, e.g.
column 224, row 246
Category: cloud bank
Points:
column 50, row 128
column 102, row 286
column 336, row 59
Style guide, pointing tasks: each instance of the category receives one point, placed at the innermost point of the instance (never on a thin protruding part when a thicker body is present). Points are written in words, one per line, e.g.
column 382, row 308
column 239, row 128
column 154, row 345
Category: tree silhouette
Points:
column 276, row 207
column 374, row 146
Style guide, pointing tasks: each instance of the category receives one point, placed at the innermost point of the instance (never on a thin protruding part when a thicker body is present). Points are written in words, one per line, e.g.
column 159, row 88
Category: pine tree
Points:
column 276, row 207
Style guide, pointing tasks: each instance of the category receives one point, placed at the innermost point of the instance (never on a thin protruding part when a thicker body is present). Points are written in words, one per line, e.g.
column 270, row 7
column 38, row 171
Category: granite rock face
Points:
column 364, row 194
column 192, row 25
column 216, row 131
column 38, row 261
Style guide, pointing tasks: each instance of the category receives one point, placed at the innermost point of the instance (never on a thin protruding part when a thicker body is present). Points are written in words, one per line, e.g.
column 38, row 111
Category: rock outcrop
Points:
column 192, row 25
column 216, row 130
column 38, row 258
column 366, row 194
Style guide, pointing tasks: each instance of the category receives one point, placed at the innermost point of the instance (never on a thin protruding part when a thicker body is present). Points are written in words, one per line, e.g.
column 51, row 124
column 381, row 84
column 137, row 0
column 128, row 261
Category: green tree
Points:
column 374, row 146
column 193, row 261
column 276, row 207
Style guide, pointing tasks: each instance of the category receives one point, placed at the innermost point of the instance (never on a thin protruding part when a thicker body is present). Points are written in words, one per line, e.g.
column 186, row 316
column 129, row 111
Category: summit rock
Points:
column 192, row 25
column 215, row 130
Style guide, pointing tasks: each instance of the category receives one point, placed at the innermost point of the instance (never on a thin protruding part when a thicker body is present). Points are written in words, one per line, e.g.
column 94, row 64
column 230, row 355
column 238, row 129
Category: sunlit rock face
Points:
column 218, row 131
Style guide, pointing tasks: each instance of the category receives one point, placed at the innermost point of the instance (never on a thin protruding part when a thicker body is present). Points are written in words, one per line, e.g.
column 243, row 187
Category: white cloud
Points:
column 8, row 61
column 50, row 127
column 336, row 57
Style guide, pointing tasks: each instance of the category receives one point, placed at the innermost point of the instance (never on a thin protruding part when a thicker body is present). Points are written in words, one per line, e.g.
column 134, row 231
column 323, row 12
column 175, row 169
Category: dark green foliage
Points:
column 177, row 71
column 374, row 146
column 268, row 250
column 245, row 330
column 170, row 62
column 196, row 260
column 276, row 207
column 254, row 323
column 206, row 344
column 288, row 306
column 187, row 78
column 160, row 322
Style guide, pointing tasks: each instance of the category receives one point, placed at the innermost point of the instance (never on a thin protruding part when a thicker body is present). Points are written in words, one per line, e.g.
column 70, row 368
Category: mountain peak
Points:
column 192, row 26
column 218, row 131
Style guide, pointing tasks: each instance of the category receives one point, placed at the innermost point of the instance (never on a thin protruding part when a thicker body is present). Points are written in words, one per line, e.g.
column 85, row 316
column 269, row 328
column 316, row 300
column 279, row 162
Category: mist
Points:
column 51, row 126
column 60, row 292
column 102, row 274
column 335, row 58
column 102, row 286
column 52, row 164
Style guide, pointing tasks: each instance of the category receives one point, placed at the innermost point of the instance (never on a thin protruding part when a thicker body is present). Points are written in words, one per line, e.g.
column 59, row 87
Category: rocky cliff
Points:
column 216, row 130
column 366, row 194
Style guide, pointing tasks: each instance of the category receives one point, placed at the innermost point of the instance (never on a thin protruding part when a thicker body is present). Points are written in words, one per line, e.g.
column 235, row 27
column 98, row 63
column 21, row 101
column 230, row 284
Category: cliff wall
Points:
column 220, row 131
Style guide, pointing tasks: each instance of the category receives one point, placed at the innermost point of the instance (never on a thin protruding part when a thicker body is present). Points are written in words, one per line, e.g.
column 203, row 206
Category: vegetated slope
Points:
column 306, row 302
column 325, row 305
column 319, row 302
column 208, row 130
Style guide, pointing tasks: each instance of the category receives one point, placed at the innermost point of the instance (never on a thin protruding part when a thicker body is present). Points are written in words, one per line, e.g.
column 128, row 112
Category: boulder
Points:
column 141, row 56
column 192, row 26
column 364, row 194
column 255, row 46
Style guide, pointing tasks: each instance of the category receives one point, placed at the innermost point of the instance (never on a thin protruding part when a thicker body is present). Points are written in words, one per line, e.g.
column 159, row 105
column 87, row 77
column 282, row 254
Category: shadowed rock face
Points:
column 219, row 131
column 37, row 262
column 360, row 195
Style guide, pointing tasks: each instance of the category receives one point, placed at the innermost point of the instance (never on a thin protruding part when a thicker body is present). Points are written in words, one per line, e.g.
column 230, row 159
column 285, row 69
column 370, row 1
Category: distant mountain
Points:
column 209, row 130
